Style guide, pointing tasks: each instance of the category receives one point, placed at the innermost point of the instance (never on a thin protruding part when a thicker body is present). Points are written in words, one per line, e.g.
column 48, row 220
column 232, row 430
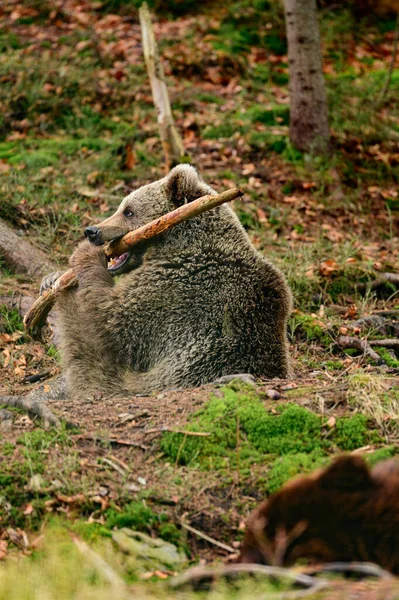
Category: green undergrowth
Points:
column 241, row 431
column 33, row 475
column 10, row 320
column 68, row 565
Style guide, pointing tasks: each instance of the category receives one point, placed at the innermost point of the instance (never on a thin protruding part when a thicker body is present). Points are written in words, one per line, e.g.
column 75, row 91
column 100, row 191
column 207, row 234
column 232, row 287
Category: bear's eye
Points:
column 127, row 213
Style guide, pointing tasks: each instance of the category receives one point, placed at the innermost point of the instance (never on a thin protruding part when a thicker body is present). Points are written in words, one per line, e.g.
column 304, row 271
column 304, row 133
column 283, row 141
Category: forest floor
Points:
column 78, row 131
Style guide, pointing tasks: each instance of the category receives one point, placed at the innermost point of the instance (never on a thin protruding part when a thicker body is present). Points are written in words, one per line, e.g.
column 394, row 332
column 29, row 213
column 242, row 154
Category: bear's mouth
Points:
column 117, row 262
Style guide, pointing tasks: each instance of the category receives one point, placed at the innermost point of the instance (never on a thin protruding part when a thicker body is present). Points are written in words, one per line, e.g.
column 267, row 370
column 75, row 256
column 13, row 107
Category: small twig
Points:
column 208, row 538
column 117, row 442
column 116, row 467
column 391, row 64
column 345, row 341
column 182, row 431
column 386, row 343
column 363, row 568
column 381, row 279
column 387, row 313
column 197, row 574
column 37, row 377
column 33, row 407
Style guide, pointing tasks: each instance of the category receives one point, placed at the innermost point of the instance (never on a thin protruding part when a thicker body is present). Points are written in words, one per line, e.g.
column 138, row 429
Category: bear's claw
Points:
column 49, row 280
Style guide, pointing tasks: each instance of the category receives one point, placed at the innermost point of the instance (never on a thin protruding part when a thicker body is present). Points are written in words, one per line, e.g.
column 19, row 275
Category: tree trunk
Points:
column 171, row 141
column 308, row 121
column 21, row 256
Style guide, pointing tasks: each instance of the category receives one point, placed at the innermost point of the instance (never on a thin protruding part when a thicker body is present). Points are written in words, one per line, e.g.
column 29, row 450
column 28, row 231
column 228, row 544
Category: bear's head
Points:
column 331, row 515
column 180, row 186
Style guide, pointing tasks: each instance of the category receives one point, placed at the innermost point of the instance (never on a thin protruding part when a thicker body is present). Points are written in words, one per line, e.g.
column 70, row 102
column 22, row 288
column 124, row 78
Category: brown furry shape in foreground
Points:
column 194, row 304
column 346, row 512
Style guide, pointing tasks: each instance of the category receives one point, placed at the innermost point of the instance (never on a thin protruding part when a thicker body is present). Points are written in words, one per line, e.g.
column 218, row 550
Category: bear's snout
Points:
column 93, row 234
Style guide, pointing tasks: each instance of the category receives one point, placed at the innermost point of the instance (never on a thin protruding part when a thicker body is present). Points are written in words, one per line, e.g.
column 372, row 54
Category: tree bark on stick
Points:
column 36, row 317
column 309, row 119
column 171, row 141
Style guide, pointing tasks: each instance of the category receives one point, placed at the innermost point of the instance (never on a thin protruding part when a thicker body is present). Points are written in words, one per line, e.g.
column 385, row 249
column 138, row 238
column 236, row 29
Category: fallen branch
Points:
column 112, row 441
column 20, row 255
column 196, row 575
column 182, row 431
column 36, row 317
column 172, row 144
column 345, row 341
column 381, row 279
column 207, row 538
column 393, row 344
column 394, row 313
column 362, row 568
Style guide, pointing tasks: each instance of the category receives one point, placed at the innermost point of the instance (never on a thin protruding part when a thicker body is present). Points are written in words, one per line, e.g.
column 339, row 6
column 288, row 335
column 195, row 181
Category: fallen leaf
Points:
column 28, row 509
column 328, row 267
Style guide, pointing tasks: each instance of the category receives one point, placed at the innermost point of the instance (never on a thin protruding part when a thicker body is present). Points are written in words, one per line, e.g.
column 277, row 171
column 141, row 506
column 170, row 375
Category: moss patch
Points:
column 289, row 466
column 242, row 431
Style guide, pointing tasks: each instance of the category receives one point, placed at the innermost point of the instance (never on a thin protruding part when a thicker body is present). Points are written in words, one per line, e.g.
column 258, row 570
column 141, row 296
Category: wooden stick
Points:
column 209, row 539
column 36, row 317
column 171, row 141
column 345, row 341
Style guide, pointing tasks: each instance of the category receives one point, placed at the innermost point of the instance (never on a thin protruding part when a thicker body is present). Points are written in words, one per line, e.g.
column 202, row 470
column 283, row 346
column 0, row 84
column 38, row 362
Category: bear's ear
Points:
column 348, row 473
column 183, row 185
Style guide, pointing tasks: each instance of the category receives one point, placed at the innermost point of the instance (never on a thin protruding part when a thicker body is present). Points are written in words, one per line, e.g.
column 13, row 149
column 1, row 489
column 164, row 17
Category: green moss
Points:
column 134, row 515
column 240, row 431
column 386, row 356
column 89, row 531
column 351, row 432
column 170, row 533
column 381, row 454
column 294, row 430
column 334, row 365
column 286, row 467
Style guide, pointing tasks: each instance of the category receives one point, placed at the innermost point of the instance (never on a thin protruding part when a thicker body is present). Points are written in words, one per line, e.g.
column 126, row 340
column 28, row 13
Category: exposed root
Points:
column 345, row 341
column 381, row 279
column 393, row 343
column 379, row 324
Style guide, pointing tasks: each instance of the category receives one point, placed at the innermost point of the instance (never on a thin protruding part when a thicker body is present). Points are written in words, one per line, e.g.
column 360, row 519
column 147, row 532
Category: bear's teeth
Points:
column 117, row 260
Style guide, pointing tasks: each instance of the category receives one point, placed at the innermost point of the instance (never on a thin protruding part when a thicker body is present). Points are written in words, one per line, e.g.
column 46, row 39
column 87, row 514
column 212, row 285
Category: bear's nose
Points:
column 93, row 234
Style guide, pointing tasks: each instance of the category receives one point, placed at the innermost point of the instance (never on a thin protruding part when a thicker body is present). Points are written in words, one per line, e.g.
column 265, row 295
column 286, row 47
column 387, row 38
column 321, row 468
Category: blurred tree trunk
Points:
column 308, row 120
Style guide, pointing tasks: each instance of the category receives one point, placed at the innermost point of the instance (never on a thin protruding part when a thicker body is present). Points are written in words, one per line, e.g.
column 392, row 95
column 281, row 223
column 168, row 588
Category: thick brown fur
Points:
column 197, row 303
column 346, row 512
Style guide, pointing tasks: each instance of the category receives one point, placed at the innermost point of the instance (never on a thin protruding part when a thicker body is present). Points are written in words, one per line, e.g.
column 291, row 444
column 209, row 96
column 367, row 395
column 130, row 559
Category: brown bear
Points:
column 346, row 512
column 194, row 304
